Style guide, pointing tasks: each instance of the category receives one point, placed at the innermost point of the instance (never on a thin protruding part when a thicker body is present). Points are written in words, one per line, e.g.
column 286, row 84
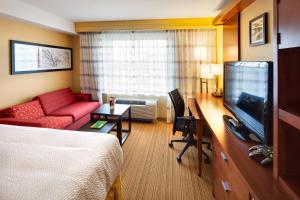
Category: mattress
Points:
column 38, row 163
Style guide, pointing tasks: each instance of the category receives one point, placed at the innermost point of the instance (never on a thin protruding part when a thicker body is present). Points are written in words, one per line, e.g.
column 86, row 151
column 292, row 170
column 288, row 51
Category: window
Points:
column 145, row 62
column 136, row 63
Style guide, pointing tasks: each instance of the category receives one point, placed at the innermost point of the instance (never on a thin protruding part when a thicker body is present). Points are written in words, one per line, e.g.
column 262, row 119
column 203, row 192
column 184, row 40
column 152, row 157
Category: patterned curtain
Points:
column 145, row 62
column 127, row 62
column 193, row 48
column 91, row 69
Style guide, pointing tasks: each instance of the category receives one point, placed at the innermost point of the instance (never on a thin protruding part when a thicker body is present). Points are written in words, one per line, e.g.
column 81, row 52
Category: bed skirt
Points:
column 115, row 191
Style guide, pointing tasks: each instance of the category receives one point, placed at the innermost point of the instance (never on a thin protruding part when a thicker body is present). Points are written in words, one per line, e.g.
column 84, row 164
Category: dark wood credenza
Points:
column 232, row 167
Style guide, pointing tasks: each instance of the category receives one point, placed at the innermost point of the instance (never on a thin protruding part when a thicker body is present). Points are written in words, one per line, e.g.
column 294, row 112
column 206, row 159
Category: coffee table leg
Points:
column 119, row 130
column 129, row 120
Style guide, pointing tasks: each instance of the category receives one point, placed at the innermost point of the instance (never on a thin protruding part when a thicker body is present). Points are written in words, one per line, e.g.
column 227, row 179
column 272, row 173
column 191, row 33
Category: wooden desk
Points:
column 231, row 164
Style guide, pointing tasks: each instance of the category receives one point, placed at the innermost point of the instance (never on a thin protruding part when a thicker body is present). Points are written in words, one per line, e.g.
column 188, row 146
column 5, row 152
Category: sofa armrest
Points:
column 4, row 113
column 83, row 97
column 19, row 122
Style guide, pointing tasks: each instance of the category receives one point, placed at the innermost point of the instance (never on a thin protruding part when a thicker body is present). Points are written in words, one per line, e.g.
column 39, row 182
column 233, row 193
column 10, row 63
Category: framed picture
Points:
column 29, row 57
column 258, row 30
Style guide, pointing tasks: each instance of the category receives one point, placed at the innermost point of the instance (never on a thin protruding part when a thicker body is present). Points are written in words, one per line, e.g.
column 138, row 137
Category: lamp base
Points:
column 217, row 94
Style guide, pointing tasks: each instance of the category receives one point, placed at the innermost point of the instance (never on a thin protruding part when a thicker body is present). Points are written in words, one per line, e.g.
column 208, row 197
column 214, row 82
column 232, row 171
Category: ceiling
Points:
column 100, row 10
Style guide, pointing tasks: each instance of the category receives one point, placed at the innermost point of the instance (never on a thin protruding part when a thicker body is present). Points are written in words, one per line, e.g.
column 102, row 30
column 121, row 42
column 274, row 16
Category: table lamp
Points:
column 217, row 70
column 206, row 73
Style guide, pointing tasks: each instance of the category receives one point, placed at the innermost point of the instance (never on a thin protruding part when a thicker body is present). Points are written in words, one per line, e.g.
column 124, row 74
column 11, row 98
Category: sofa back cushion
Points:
column 28, row 111
column 54, row 100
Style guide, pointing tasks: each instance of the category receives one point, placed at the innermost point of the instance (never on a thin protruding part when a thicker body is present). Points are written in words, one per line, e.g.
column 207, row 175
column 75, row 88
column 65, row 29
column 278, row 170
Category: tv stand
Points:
column 236, row 128
column 235, row 175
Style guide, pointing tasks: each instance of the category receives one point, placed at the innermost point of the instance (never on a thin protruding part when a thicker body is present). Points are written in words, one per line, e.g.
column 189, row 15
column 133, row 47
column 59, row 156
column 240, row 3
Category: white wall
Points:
column 22, row 11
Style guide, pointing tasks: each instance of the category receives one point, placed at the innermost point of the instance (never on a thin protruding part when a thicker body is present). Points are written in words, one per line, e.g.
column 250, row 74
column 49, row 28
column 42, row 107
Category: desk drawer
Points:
column 220, row 192
column 227, row 181
column 239, row 187
column 220, row 158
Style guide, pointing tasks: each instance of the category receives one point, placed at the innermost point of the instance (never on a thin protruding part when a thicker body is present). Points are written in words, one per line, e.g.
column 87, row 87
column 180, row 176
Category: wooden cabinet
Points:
column 289, row 23
column 231, row 44
column 287, row 119
column 227, row 181
column 235, row 175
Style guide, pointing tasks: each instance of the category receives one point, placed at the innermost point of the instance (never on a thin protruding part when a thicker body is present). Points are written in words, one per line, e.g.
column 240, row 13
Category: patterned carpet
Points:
column 151, row 171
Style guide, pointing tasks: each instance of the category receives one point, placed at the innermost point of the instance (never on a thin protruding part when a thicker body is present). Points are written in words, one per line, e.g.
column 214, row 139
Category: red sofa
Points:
column 60, row 109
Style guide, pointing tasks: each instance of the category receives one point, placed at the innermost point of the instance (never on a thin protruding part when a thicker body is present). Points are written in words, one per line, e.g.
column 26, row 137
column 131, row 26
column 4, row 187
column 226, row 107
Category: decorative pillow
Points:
column 29, row 111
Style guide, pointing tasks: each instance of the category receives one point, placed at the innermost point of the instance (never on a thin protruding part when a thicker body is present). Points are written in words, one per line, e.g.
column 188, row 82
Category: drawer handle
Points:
column 250, row 197
column 226, row 186
column 223, row 156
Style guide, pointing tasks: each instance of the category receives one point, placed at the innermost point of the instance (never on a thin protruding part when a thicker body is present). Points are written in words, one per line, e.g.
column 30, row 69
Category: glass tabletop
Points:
column 104, row 109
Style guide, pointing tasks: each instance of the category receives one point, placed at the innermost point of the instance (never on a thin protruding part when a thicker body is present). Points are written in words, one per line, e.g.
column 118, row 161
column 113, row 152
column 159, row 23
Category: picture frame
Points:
column 28, row 57
column 258, row 30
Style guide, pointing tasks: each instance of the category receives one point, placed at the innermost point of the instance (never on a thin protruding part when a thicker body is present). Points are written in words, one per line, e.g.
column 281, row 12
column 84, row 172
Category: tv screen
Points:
column 248, row 95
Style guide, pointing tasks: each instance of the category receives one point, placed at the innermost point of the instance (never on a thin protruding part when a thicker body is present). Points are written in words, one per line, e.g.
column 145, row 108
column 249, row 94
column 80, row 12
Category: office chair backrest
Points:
column 178, row 103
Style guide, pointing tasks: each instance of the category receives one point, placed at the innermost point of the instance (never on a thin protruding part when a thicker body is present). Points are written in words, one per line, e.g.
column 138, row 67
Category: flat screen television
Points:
column 248, row 94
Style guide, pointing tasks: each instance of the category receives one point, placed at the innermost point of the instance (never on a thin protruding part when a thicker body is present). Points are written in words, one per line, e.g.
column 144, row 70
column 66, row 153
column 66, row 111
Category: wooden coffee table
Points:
column 114, row 119
column 107, row 128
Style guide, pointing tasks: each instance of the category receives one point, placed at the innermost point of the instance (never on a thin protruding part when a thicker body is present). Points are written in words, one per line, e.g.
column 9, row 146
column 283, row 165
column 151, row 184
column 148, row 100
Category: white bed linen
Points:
column 38, row 163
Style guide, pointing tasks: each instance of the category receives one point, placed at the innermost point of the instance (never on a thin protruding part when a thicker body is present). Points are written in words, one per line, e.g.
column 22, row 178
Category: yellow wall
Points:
column 16, row 89
column 263, row 52
column 76, row 64
column 220, row 55
column 149, row 24
column 19, row 88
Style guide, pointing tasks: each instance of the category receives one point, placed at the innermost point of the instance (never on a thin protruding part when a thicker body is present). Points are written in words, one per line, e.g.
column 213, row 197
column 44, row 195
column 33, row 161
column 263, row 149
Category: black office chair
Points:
column 184, row 124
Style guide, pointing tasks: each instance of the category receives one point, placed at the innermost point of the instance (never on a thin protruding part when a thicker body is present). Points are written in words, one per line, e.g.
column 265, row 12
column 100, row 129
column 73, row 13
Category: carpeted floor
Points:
column 150, row 169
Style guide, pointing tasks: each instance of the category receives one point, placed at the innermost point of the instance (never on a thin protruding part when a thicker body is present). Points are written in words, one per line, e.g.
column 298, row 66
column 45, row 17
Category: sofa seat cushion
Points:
column 77, row 110
column 55, row 122
column 28, row 111
column 53, row 101
column 20, row 122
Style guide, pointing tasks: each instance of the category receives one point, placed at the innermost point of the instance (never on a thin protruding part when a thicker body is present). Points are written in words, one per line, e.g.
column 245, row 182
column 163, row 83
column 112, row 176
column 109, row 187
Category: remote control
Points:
column 259, row 151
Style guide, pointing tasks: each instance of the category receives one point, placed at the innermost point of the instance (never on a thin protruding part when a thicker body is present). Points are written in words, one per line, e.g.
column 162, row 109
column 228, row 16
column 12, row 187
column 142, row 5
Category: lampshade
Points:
column 206, row 71
column 217, row 69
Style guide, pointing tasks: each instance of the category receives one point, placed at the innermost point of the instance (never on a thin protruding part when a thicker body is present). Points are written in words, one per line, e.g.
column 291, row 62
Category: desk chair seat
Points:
column 184, row 124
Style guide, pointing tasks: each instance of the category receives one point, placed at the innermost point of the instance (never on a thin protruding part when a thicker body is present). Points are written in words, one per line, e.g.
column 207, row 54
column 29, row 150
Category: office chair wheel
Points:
column 178, row 159
column 171, row 144
column 206, row 160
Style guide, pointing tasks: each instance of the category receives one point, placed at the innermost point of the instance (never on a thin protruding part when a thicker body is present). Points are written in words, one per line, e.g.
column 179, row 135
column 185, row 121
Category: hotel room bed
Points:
column 38, row 163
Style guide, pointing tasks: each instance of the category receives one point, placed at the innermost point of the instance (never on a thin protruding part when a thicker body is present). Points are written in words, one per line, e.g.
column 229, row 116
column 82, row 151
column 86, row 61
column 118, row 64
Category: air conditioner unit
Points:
column 145, row 110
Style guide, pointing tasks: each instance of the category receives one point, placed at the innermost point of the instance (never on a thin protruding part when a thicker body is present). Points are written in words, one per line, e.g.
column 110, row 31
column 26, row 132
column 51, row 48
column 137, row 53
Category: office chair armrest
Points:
column 190, row 118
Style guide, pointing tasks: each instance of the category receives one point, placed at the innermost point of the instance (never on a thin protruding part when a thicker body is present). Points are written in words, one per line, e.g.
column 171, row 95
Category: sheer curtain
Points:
column 145, row 62
column 128, row 62
column 91, row 70
column 193, row 48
